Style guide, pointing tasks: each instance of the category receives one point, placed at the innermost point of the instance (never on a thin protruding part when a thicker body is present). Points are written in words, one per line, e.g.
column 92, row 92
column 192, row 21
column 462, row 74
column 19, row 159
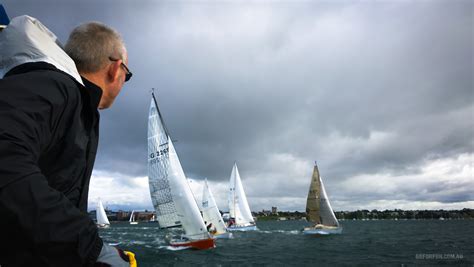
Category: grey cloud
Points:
column 245, row 81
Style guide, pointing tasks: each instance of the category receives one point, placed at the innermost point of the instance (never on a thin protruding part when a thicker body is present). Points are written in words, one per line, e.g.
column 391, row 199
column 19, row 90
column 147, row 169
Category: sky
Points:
column 379, row 93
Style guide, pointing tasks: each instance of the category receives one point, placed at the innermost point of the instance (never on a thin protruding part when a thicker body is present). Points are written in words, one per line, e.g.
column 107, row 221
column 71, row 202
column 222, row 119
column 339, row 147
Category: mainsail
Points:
column 158, row 167
column 171, row 194
column 132, row 219
column 318, row 208
column 210, row 212
column 238, row 206
column 100, row 215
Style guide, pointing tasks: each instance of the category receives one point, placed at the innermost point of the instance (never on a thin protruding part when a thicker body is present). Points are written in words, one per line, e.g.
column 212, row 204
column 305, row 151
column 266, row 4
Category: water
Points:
column 280, row 243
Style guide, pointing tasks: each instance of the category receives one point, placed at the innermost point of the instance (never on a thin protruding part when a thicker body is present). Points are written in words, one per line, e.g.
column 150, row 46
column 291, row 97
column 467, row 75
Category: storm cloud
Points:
column 379, row 93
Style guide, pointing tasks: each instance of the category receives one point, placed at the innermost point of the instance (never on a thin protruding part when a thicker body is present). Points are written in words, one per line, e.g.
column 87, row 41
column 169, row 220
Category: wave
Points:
column 173, row 248
column 287, row 232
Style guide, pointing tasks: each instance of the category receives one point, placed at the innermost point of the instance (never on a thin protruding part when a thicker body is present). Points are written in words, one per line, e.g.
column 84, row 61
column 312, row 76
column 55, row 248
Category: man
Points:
column 49, row 126
column 208, row 227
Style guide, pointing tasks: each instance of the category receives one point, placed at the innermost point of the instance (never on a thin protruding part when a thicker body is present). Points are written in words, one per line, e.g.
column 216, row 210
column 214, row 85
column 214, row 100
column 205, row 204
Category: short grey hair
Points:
column 91, row 44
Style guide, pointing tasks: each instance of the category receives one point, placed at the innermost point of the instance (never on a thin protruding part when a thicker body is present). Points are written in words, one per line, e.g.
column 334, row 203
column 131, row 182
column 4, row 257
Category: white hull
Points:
column 322, row 231
column 133, row 222
column 242, row 228
column 225, row 235
column 103, row 225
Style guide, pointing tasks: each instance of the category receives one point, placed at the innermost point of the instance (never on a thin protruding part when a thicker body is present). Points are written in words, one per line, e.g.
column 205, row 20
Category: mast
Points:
column 235, row 186
column 159, row 113
column 233, row 193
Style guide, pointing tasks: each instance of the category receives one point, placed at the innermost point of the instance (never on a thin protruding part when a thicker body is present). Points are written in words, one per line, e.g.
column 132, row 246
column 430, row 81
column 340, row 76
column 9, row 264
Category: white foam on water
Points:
column 158, row 241
column 173, row 248
column 294, row 232
column 286, row 232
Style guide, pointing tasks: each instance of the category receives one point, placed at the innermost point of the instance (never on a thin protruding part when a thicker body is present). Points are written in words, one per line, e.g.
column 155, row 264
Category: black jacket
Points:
column 48, row 141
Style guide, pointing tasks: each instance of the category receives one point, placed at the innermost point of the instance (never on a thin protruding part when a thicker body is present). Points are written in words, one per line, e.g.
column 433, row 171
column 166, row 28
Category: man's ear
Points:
column 114, row 70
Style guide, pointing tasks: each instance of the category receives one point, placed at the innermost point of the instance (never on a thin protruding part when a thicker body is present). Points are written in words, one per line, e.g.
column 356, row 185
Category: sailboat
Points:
column 153, row 219
column 132, row 219
column 318, row 209
column 211, row 214
column 102, row 220
column 171, row 194
column 240, row 216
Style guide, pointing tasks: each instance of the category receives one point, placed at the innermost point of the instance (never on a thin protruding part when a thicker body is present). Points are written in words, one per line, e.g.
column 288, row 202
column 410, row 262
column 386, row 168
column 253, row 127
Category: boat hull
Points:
column 103, row 226
column 322, row 231
column 195, row 244
column 225, row 235
column 243, row 228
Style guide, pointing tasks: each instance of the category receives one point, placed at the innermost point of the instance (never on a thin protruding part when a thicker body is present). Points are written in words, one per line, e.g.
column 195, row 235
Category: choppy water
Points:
column 280, row 243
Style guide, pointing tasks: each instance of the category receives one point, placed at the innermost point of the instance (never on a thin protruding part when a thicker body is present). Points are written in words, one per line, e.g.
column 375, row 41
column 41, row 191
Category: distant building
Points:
column 144, row 215
column 123, row 215
column 266, row 212
column 274, row 211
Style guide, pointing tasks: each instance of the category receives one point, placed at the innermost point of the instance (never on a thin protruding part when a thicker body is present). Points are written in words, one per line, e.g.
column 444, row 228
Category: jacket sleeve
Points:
column 52, row 228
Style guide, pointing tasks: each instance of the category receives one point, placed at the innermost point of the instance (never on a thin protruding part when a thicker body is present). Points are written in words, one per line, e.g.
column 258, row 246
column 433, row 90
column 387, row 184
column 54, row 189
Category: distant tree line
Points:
column 267, row 215
column 375, row 215
column 405, row 214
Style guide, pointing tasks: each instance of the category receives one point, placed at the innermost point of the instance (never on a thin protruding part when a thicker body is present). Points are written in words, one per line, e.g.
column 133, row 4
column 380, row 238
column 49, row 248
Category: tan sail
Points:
column 313, row 203
column 318, row 208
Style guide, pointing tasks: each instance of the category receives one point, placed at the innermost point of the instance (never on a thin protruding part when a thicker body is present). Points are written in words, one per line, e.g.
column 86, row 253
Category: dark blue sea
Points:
column 280, row 243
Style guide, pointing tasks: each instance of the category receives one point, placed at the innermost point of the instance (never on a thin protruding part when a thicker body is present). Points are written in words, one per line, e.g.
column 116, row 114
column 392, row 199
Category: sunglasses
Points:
column 128, row 73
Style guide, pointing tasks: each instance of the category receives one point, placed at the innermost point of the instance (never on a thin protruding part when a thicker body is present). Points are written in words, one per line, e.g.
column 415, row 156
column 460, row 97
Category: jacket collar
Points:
column 94, row 91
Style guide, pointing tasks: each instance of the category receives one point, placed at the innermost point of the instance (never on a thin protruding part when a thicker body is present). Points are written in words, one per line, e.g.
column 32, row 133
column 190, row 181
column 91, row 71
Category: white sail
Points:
column 238, row 206
column 133, row 219
column 210, row 212
column 100, row 214
column 326, row 212
column 186, row 206
column 171, row 194
column 158, row 165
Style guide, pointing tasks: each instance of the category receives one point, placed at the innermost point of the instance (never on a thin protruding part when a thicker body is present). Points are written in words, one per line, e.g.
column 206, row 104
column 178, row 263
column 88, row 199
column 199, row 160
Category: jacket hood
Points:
column 27, row 40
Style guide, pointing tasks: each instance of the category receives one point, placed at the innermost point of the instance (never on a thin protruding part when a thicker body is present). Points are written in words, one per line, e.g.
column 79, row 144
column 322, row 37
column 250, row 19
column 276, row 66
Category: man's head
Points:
column 101, row 57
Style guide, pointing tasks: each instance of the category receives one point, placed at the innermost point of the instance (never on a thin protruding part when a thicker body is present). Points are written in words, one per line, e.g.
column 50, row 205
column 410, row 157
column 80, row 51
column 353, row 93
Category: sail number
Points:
column 154, row 155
